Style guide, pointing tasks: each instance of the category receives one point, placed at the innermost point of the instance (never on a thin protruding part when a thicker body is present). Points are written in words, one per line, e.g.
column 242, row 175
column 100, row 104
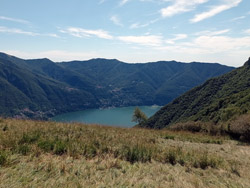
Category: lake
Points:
column 110, row 116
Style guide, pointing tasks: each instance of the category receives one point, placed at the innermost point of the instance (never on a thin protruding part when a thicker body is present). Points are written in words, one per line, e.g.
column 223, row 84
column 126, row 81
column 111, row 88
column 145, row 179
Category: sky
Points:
column 133, row 31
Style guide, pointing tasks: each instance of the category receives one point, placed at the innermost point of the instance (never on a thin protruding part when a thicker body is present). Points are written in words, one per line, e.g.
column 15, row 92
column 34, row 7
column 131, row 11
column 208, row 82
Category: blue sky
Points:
column 128, row 30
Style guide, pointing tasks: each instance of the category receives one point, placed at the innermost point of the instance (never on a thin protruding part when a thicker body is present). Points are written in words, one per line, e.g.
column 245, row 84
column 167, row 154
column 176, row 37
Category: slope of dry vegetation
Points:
column 48, row 154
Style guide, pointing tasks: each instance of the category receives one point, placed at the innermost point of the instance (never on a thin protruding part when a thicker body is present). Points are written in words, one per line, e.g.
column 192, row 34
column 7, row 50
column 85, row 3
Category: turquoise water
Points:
column 111, row 116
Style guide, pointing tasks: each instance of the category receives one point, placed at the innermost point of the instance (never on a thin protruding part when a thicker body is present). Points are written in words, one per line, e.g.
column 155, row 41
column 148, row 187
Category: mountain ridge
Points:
column 79, row 85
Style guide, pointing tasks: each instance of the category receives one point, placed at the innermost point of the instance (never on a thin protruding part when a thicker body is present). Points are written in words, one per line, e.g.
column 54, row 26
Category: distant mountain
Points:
column 41, row 88
column 217, row 100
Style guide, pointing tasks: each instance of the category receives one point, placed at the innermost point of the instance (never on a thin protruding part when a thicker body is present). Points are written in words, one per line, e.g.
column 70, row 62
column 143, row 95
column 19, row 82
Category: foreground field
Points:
column 48, row 154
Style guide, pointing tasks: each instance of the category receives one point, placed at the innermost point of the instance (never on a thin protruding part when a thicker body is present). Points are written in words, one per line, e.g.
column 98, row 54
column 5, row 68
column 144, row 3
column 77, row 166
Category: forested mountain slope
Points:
column 41, row 87
column 217, row 100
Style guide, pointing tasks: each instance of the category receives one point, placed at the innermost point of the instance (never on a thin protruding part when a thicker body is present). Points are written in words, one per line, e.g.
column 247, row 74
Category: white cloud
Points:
column 180, row 6
column 228, row 4
column 212, row 33
column 55, row 55
column 123, row 2
column 247, row 31
column 217, row 44
column 238, row 18
column 147, row 40
column 101, row 2
column 81, row 33
column 210, row 45
column 16, row 31
column 138, row 25
column 227, row 50
column 22, row 32
column 116, row 20
column 14, row 20
column 177, row 37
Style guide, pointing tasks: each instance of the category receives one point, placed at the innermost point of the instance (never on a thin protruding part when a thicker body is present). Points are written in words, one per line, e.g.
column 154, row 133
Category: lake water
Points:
column 111, row 116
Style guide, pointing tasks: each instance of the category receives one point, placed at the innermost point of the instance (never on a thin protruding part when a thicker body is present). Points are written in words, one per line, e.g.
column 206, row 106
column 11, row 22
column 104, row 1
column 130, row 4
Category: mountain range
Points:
column 41, row 88
column 218, row 100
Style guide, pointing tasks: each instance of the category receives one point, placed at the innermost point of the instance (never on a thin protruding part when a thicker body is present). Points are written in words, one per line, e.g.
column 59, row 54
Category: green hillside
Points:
column 41, row 88
column 25, row 93
column 217, row 100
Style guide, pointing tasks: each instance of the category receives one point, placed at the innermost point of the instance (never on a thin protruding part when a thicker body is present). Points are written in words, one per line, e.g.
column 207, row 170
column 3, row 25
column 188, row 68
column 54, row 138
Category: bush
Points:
column 240, row 128
column 188, row 126
column 198, row 126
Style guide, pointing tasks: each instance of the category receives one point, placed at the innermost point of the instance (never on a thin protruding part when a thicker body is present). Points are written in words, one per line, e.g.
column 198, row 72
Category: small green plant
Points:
column 46, row 145
column 174, row 156
column 5, row 128
column 171, row 157
column 3, row 158
column 169, row 137
column 235, row 169
column 89, row 151
column 23, row 149
column 29, row 138
column 60, row 148
column 206, row 161
column 136, row 154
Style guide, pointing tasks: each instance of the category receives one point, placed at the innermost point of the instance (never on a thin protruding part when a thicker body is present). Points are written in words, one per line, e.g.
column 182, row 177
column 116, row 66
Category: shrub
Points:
column 188, row 126
column 240, row 128
column 198, row 126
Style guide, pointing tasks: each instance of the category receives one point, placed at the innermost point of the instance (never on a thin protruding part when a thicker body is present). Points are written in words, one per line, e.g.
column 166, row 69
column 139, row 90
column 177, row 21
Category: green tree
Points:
column 139, row 116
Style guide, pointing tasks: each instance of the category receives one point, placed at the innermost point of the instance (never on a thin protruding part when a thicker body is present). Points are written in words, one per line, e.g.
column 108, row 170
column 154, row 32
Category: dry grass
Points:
column 47, row 154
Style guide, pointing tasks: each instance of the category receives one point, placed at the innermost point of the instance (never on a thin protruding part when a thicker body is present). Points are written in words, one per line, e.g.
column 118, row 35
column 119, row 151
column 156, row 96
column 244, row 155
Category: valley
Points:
column 203, row 141
column 124, row 94
column 41, row 88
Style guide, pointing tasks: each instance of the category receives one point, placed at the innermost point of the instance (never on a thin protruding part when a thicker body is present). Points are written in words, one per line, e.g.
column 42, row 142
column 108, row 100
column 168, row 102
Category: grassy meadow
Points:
column 49, row 154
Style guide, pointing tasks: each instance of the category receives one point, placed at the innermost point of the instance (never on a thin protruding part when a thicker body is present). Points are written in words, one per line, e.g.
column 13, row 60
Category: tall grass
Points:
column 77, row 140
column 76, row 155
